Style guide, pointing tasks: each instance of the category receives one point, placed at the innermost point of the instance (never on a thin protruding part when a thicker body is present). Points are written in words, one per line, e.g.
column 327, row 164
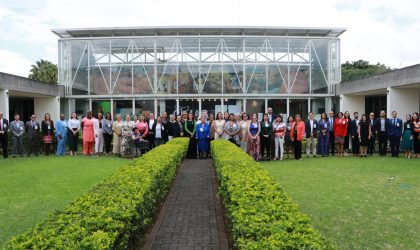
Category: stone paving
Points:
column 191, row 217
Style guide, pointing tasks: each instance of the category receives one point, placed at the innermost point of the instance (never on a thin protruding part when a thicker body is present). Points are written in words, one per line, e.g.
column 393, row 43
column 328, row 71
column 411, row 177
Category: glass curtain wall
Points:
column 198, row 65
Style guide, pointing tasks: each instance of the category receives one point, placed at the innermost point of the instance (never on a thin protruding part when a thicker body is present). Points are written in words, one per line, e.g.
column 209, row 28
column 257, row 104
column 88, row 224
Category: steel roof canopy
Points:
column 198, row 31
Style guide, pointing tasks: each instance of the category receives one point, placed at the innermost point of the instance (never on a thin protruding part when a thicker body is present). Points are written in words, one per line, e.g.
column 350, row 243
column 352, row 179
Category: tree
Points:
column 360, row 69
column 44, row 71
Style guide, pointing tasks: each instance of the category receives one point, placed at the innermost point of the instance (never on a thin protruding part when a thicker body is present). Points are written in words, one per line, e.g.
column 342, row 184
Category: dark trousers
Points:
column 382, row 142
column 17, row 145
column 332, row 142
column 395, row 145
column 3, row 142
column 151, row 139
column 355, row 145
column 265, row 146
column 32, row 144
column 297, row 146
column 272, row 146
column 73, row 140
column 47, row 148
column 107, row 141
column 371, row 145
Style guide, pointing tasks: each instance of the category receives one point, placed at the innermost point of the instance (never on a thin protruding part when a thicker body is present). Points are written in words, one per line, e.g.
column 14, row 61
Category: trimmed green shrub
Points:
column 260, row 213
column 114, row 211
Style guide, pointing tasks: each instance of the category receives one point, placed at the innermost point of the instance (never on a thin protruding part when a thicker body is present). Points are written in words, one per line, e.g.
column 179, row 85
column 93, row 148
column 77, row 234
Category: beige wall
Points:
column 50, row 105
column 403, row 100
column 352, row 103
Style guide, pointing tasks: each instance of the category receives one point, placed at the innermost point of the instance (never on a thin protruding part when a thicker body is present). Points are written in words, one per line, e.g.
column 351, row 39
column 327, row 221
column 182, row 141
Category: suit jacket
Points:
column 32, row 131
column 373, row 127
column 202, row 132
column 354, row 128
column 5, row 126
column 308, row 128
column 45, row 130
column 395, row 129
column 273, row 118
column 17, row 128
column 164, row 132
column 151, row 132
column 378, row 125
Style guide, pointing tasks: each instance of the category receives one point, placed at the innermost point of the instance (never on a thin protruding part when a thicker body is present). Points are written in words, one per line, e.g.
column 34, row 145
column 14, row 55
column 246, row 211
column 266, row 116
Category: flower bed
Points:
column 114, row 211
column 260, row 213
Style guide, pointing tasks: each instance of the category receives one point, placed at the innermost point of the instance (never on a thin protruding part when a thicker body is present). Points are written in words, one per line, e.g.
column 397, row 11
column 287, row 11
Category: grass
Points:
column 353, row 202
column 31, row 188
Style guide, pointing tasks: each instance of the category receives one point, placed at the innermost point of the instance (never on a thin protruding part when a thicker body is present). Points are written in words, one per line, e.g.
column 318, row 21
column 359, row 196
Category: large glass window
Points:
column 318, row 107
column 256, row 106
column 144, row 107
column 298, row 106
column 279, row 106
column 123, row 107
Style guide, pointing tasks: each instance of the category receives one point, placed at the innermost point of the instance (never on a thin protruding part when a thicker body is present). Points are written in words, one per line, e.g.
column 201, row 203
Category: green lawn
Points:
column 352, row 202
column 31, row 188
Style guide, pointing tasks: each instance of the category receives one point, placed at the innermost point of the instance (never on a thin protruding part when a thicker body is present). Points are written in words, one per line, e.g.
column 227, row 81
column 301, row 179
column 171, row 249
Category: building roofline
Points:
column 198, row 30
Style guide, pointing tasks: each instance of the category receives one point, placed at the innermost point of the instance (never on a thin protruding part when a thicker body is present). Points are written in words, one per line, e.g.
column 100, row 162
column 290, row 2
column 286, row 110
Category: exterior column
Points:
column 156, row 108
column 4, row 103
column 199, row 107
column 403, row 100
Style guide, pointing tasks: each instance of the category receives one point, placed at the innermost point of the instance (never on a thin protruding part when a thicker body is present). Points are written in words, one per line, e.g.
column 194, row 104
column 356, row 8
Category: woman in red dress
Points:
column 340, row 131
column 88, row 134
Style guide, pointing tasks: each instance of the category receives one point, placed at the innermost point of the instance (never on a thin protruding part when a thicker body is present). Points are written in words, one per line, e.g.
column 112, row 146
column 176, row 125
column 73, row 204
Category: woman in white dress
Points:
column 218, row 126
column 243, row 134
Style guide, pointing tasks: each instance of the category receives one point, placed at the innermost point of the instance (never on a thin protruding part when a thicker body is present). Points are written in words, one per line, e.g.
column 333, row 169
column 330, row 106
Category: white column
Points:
column 4, row 103
column 222, row 103
column 244, row 105
column 352, row 103
column 199, row 107
column 309, row 105
column 156, row 108
column 265, row 105
column 287, row 109
column 403, row 100
column 177, row 107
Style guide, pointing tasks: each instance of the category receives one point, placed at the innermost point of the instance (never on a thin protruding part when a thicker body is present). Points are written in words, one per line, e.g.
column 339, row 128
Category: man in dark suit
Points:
column 32, row 136
column 151, row 134
column 395, row 133
column 331, row 131
column 373, row 129
column 382, row 129
column 354, row 125
column 17, row 127
column 310, row 132
column 4, row 127
column 271, row 118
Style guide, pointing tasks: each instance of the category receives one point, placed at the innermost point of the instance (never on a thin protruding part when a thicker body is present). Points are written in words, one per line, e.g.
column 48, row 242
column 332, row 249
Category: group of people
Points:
column 269, row 139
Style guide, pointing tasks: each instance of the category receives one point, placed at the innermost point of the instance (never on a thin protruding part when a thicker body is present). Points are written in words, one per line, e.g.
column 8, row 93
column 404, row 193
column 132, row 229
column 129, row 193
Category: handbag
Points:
column 47, row 138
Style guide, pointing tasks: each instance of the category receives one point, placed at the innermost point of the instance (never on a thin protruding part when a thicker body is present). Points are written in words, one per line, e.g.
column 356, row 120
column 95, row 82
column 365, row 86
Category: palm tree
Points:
column 44, row 71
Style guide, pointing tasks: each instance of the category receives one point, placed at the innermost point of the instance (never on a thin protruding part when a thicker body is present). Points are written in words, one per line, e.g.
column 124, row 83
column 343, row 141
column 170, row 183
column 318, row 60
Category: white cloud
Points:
column 14, row 63
column 378, row 31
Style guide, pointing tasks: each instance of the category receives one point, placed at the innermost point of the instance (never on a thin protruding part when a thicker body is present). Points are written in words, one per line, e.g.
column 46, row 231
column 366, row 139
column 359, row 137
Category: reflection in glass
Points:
column 298, row 106
column 255, row 75
column 255, row 106
column 144, row 107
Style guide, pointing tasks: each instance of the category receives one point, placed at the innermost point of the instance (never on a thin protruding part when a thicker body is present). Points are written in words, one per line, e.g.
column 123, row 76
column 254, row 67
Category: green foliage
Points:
column 261, row 214
column 360, row 69
column 114, row 210
column 44, row 71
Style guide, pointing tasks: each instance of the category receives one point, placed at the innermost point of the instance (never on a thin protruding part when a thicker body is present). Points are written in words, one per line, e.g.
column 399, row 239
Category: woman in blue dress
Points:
column 202, row 134
column 407, row 138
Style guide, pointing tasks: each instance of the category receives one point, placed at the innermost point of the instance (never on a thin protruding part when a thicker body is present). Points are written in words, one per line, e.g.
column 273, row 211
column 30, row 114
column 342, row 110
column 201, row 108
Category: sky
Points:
column 384, row 31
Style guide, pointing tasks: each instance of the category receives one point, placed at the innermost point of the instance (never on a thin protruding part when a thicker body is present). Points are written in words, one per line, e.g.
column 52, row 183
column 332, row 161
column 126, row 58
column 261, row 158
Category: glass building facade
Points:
column 140, row 70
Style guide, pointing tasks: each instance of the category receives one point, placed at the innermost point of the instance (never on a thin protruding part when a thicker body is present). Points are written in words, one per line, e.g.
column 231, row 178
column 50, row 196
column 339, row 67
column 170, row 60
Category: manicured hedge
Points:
column 115, row 210
column 260, row 213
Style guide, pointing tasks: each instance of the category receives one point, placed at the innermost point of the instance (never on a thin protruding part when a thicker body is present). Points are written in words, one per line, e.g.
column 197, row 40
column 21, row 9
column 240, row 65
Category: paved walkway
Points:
column 191, row 216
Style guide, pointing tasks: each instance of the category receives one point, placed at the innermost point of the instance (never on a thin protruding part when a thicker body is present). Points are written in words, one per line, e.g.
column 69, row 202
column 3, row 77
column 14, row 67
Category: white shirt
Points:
column 151, row 123
column 382, row 124
column 311, row 122
column 73, row 123
column 158, row 130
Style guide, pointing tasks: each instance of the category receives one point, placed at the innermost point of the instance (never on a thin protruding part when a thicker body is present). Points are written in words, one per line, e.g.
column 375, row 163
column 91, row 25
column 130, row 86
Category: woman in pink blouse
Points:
column 88, row 134
column 143, row 127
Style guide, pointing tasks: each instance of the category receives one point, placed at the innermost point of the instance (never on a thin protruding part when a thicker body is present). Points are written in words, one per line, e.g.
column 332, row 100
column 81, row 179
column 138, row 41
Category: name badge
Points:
column 20, row 127
column 344, row 122
column 4, row 125
column 163, row 128
column 325, row 125
column 314, row 125
column 398, row 124
column 201, row 129
column 109, row 125
column 408, row 126
column 36, row 127
column 49, row 127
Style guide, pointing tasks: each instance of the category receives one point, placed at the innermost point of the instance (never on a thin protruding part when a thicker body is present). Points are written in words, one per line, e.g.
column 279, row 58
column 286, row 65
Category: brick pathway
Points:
column 191, row 217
